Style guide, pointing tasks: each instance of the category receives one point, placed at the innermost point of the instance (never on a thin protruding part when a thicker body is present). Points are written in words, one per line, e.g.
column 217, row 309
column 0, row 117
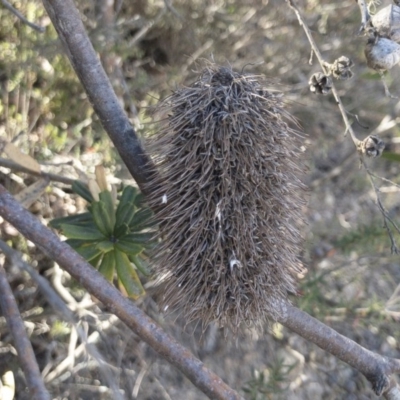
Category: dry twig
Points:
column 10, row 8
column 122, row 307
column 60, row 307
column 25, row 352
column 4, row 162
column 387, row 221
column 375, row 367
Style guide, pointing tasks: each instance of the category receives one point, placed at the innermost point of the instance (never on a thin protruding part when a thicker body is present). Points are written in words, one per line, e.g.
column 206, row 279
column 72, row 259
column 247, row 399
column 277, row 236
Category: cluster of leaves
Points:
column 113, row 238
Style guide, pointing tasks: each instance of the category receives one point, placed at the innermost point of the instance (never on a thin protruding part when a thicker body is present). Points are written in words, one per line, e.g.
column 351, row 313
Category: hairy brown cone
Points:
column 228, row 199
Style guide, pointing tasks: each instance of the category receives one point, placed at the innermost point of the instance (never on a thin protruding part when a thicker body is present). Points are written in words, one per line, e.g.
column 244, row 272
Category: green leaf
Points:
column 102, row 218
column 141, row 265
column 84, row 219
column 128, row 276
column 391, row 156
column 107, row 201
column 107, row 266
column 128, row 196
column 142, row 238
column 88, row 252
column 77, row 232
column 124, row 215
column 140, row 200
column 75, row 243
column 121, row 230
column 141, row 219
column 95, row 261
column 82, row 190
column 105, row 246
column 129, row 247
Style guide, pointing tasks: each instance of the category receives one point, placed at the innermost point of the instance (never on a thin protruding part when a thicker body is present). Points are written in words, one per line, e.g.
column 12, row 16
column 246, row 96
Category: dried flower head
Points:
column 320, row 83
column 382, row 54
column 372, row 146
column 228, row 199
column 387, row 22
column 341, row 68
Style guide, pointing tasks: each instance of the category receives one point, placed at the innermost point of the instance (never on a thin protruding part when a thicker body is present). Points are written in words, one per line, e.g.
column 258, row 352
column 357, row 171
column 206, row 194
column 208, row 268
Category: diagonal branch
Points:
column 125, row 309
column 25, row 352
column 66, row 20
column 87, row 65
column 60, row 307
column 374, row 367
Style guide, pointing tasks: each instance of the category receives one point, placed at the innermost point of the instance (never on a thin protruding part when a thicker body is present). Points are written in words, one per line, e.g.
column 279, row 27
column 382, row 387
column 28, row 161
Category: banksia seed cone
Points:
column 228, row 199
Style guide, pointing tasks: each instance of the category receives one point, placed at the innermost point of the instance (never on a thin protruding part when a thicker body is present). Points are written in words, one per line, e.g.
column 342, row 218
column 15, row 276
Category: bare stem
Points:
column 122, row 307
column 10, row 8
column 323, row 65
column 365, row 17
column 79, row 49
column 23, row 345
column 377, row 369
column 4, row 162
column 60, row 307
column 387, row 220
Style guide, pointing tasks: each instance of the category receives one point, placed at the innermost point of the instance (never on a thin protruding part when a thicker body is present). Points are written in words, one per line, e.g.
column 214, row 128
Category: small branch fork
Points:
column 387, row 220
column 22, row 344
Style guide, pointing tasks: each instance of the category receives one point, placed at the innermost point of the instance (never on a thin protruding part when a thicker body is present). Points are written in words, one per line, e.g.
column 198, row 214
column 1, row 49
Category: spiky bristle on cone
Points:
column 228, row 199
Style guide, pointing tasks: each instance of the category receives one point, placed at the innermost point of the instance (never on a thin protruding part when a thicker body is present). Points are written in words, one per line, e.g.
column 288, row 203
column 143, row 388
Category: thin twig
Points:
column 323, row 65
column 365, row 17
column 387, row 220
column 25, row 352
column 145, row 29
column 124, row 308
column 10, row 8
column 60, row 307
column 4, row 162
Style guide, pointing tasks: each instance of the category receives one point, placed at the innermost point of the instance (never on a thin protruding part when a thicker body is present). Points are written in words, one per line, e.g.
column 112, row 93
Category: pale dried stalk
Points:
column 24, row 348
column 357, row 143
column 124, row 308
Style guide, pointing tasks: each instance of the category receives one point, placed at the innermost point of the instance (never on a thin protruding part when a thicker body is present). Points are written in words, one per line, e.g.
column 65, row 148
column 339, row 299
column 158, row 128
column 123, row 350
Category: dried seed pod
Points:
column 232, row 198
column 341, row 68
column 381, row 53
column 387, row 22
column 320, row 83
column 372, row 146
